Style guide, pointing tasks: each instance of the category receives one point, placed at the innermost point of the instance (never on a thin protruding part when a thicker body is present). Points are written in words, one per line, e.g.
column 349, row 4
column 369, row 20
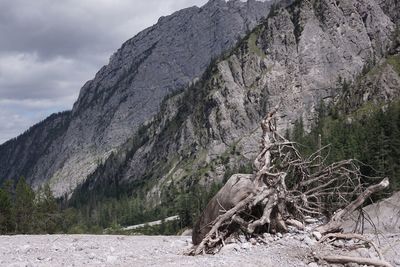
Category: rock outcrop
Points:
column 380, row 217
column 127, row 92
column 298, row 56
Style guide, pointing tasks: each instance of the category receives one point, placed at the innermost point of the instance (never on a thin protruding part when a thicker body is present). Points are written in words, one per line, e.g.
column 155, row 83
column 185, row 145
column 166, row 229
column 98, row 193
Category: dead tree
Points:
column 285, row 189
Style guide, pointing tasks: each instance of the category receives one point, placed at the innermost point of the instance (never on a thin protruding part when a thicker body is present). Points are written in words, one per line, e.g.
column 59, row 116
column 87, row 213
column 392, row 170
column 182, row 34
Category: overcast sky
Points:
column 49, row 48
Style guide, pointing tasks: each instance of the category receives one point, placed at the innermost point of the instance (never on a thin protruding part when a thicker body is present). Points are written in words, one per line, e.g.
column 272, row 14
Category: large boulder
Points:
column 383, row 217
column 237, row 188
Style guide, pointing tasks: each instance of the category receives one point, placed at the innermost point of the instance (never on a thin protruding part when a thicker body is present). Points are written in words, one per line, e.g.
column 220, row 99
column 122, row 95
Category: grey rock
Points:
column 363, row 252
column 229, row 248
column 312, row 264
column 338, row 243
column 111, row 259
column 25, row 249
column 308, row 241
column 187, row 232
column 311, row 220
column 253, row 241
column 245, row 245
column 317, row 235
column 383, row 216
column 268, row 237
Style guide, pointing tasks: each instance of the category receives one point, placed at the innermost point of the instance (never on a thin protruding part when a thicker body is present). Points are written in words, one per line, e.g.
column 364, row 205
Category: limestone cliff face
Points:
column 128, row 91
column 295, row 57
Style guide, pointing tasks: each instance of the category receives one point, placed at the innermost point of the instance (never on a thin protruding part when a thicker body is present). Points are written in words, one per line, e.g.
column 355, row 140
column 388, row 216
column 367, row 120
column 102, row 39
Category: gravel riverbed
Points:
column 301, row 249
column 89, row 250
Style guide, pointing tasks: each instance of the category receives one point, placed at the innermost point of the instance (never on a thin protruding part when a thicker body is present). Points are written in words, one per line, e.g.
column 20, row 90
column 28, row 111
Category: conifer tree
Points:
column 5, row 212
column 46, row 215
column 24, row 207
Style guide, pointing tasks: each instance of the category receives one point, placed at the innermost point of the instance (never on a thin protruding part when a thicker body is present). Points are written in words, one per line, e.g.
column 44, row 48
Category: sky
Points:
column 50, row 48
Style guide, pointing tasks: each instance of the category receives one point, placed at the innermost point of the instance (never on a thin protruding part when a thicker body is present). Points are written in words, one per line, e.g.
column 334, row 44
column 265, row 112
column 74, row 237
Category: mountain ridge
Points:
column 129, row 90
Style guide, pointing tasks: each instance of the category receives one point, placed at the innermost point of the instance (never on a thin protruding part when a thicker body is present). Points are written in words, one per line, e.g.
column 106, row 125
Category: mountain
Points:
column 300, row 56
column 169, row 114
column 65, row 148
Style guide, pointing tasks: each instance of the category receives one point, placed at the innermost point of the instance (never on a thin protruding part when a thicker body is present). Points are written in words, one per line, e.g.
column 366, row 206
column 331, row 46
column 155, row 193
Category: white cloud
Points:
column 12, row 123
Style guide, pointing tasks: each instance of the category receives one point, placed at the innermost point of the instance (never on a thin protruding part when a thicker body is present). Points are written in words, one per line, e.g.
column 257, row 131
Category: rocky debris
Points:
column 187, row 232
column 137, row 251
column 290, row 249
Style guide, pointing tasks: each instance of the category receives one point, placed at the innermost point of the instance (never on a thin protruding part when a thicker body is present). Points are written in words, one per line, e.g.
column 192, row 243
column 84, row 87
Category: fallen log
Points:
column 358, row 260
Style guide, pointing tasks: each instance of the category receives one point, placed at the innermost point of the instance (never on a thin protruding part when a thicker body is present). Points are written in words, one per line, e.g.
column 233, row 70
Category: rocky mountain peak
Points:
column 128, row 91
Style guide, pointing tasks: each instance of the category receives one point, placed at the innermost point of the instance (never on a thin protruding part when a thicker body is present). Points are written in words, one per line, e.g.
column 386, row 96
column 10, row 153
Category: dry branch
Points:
column 358, row 260
column 336, row 222
column 353, row 236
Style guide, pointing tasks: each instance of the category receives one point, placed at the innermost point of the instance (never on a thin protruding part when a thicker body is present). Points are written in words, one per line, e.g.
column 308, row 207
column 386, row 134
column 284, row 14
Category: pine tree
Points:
column 24, row 207
column 46, row 212
column 5, row 212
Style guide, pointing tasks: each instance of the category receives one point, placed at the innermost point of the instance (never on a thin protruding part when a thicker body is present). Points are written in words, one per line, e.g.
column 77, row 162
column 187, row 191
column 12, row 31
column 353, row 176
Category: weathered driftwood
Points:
column 353, row 236
column 336, row 222
column 284, row 190
column 358, row 260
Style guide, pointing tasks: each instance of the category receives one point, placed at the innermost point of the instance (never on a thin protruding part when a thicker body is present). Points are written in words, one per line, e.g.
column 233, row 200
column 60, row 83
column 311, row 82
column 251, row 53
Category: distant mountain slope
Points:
column 20, row 155
column 299, row 56
column 127, row 92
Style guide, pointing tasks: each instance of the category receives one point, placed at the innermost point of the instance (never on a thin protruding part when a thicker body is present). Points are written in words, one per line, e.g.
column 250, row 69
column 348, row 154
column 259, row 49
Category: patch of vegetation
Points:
column 394, row 61
column 294, row 10
column 253, row 47
column 370, row 134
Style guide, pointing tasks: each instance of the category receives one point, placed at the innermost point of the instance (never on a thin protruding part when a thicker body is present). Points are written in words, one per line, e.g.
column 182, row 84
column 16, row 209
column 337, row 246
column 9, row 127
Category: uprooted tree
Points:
column 285, row 189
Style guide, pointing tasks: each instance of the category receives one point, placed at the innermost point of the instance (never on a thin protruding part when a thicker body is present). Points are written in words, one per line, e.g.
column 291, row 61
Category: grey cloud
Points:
column 49, row 49
column 70, row 27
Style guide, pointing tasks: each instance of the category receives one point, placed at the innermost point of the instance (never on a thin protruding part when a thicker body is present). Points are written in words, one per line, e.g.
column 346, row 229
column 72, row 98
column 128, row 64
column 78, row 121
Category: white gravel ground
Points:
column 86, row 250
column 293, row 249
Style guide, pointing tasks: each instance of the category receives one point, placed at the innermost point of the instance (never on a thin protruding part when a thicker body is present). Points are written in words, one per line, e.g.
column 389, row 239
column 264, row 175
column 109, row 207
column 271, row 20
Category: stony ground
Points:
column 85, row 250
